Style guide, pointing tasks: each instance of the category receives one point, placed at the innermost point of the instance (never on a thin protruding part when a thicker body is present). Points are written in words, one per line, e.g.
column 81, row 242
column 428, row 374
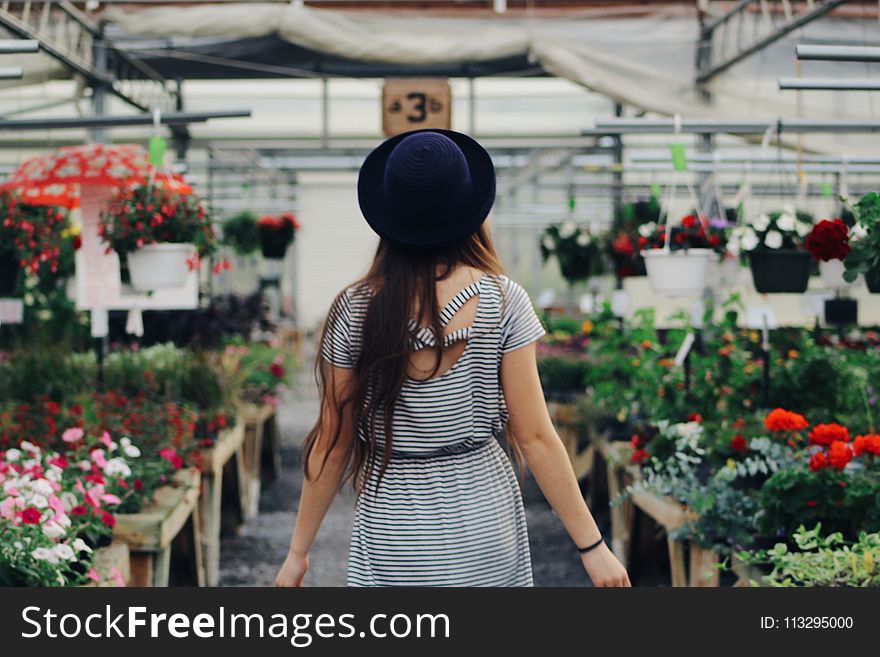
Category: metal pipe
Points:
column 174, row 118
column 830, row 84
column 838, row 53
column 11, row 73
column 18, row 46
column 701, row 126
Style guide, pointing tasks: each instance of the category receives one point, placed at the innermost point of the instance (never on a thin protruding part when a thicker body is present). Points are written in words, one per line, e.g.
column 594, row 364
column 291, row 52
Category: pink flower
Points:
column 93, row 575
column 57, row 505
column 108, row 498
column 72, row 435
column 105, row 439
column 116, row 576
column 97, row 457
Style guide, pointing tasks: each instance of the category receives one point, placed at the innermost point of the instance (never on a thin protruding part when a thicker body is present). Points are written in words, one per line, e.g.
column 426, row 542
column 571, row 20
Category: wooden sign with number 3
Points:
column 410, row 104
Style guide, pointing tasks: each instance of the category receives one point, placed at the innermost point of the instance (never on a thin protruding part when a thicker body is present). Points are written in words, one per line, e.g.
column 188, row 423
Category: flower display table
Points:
column 259, row 427
column 113, row 564
column 565, row 419
column 149, row 534
column 619, row 475
column 221, row 467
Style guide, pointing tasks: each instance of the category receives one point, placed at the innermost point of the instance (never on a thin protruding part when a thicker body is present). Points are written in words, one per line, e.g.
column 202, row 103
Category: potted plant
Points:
column 622, row 242
column 575, row 250
column 775, row 246
column 678, row 258
column 864, row 255
column 162, row 235
column 828, row 243
column 276, row 234
column 241, row 234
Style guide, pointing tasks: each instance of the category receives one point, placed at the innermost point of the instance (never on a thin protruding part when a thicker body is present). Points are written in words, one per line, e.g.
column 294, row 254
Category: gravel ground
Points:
column 252, row 557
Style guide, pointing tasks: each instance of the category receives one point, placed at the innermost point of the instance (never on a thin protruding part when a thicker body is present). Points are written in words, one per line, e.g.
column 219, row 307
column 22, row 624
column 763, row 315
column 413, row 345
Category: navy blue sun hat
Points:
column 426, row 189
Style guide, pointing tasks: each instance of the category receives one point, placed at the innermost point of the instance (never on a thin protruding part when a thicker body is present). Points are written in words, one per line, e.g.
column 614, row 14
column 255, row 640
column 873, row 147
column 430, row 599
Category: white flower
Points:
column 53, row 530
column 803, row 228
column 69, row 500
column 646, row 230
column 568, row 229
column 53, row 474
column 548, row 243
column 786, row 221
column 125, row 441
column 84, row 465
column 29, row 447
column 117, row 467
column 13, row 455
column 79, row 545
column 45, row 554
column 39, row 501
column 857, row 232
column 131, row 451
column 64, row 551
column 749, row 240
column 30, row 463
column 761, row 222
column 773, row 239
column 62, row 519
column 18, row 545
column 42, row 487
column 583, row 239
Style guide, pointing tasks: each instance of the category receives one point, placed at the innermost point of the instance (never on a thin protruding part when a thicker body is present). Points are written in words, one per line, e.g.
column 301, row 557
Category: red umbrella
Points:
column 55, row 179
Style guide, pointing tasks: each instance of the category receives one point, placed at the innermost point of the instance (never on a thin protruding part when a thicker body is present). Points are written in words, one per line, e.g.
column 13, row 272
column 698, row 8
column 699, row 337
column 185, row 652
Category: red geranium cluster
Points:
column 827, row 434
column 34, row 235
column 867, row 444
column 829, row 240
column 781, row 420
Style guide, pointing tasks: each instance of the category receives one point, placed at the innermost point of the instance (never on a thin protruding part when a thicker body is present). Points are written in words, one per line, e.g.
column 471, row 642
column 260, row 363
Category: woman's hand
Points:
column 293, row 570
column 604, row 568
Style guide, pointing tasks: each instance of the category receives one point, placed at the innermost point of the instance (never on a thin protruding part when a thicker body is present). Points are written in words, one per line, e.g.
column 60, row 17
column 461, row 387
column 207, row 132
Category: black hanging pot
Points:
column 780, row 271
column 575, row 269
column 10, row 274
column 872, row 278
column 841, row 312
column 272, row 249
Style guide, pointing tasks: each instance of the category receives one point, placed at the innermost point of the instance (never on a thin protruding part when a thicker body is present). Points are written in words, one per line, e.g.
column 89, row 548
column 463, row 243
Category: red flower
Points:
column 781, row 420
column 869, row 443
column 839, row 454
column 79, row 510
column 277, row 370
column 138, row 485
column 818, row 461
column 108, row 519
column 829, row 240
column 689, row 221
column 640, row 456
column 811, row 503
column 826, row 434
column 739, row 423
column 738, row 443
column 695, row 417
column 171, row 455
column 622, row 245
column 31, row 516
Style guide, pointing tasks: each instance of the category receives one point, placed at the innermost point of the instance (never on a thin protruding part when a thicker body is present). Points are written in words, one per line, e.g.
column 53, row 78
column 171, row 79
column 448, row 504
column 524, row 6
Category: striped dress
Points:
column 448, row 510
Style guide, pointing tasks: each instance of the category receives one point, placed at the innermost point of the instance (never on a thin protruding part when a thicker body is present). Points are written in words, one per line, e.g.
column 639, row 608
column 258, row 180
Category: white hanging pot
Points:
column 678, row 273
column 831, row 273
column 160, row 266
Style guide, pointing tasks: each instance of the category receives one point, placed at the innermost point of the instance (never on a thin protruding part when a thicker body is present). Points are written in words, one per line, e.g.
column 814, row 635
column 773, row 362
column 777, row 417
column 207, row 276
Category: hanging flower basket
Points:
column 10, row 274
column 276, row 234
column 161, row 266
column 678, row 273
column 780, row 271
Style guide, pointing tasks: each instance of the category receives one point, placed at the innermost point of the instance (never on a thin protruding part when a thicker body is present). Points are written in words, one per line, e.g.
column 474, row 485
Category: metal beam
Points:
column 702, row 127
column 11, row 73
column 830, row 84
column 838, row 53
column 176, row 118
column 714, row 33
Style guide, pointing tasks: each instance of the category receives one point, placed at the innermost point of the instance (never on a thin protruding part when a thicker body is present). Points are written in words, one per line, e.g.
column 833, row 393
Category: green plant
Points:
column 815, row 560
column 579, row 255
column 240, row 232
column 864, row 255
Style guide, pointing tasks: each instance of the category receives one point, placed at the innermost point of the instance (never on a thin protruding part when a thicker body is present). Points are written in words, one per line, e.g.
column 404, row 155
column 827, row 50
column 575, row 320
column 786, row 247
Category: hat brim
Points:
column 410, row 234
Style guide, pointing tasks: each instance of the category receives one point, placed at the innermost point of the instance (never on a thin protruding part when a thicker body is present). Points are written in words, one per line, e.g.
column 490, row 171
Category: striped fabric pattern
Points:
column 448, row 511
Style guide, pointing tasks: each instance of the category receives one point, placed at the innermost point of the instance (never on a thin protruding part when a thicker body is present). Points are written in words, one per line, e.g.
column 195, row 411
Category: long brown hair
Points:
column 404, row 287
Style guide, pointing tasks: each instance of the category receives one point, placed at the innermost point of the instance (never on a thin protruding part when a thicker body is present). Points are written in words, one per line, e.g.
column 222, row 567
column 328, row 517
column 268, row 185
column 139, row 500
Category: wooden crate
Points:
column 257, row 421
column 565, row 419
column 221, row 501
column 149, row 534
column 115, row 555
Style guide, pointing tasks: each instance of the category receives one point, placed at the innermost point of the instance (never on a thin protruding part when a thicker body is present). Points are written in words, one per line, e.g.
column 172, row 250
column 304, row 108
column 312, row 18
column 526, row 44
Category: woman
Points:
column 412, row 417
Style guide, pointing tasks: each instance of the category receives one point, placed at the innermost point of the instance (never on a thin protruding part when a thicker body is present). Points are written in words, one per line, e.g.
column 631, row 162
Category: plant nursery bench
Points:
column 222, row 496
column 150, row 533
column 259, row 427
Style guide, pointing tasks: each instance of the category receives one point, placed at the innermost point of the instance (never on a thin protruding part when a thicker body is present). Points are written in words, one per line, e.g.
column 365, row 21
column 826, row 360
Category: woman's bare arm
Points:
column 319, row 490
column 533, row 432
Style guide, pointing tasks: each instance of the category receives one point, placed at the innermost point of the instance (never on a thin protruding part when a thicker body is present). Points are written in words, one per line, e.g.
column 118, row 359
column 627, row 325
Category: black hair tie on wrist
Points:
column 584, row 550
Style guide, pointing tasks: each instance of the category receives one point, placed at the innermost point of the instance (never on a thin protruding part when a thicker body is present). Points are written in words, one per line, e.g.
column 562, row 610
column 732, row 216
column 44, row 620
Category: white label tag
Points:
column 545, row 298
column 684, row 349
column 11, row 311
column 758, row 317
column 586, row 303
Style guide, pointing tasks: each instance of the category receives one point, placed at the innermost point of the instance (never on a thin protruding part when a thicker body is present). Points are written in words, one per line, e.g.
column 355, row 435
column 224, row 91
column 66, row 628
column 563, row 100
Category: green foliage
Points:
column 576, row 250
column 240, row 233
column 864, row 256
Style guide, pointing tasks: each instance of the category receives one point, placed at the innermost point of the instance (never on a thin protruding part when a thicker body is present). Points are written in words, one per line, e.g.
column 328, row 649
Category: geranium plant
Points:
column 575, row 249
column 277, row 233
column 32, row 235
column 148, row 214
column 690, row 233
column 829, row 240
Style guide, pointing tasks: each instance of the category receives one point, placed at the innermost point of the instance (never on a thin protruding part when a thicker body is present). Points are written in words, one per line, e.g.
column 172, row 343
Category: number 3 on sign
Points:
column 409, row 104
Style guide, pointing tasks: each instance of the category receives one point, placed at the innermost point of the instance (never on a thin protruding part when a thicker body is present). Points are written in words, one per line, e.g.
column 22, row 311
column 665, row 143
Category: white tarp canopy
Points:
column 645, row 61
